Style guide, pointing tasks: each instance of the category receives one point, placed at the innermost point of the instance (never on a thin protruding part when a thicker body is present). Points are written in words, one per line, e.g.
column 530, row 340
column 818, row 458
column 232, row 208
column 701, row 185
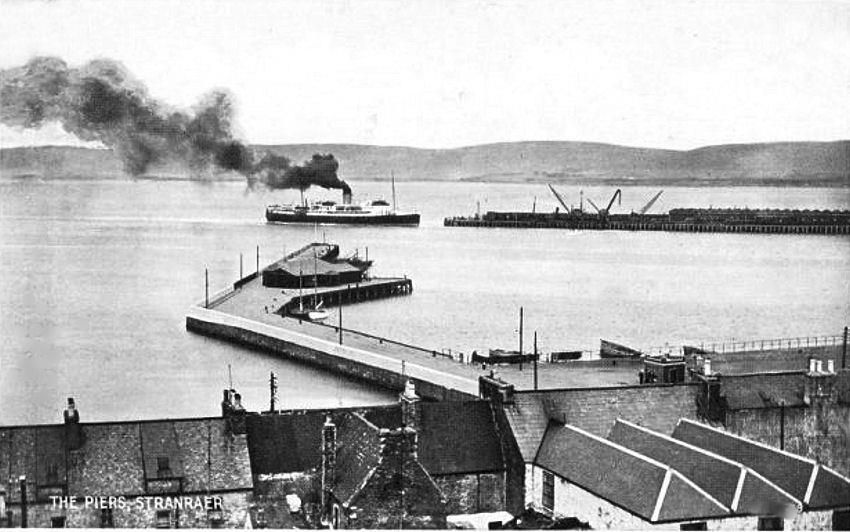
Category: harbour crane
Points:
column 648, row 205
column 618, row 195
column 559, row 198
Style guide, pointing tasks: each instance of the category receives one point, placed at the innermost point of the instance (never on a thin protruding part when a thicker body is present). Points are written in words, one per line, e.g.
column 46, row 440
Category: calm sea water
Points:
column 96, row 276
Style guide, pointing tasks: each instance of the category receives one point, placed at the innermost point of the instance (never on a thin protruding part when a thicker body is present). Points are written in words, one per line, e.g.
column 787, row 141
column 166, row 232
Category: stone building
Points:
column 415, row 461
column 170, row 459
column 543, row 432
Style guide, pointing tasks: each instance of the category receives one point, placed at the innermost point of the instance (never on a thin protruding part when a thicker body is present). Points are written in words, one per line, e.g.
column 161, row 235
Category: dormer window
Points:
column 163, row 466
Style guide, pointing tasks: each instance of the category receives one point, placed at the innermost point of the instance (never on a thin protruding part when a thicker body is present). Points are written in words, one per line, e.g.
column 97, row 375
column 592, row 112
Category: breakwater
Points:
column 360, row 364
column 764, row 221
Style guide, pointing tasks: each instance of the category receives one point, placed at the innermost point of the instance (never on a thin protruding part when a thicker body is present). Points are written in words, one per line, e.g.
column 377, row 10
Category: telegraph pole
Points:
column 535, row 360
column 240, row 266
column 258, row 260
column 206, row 288
column 340, row 320
column 520, row 338
column 272, row 391
column 520, row 331
column 844, row 351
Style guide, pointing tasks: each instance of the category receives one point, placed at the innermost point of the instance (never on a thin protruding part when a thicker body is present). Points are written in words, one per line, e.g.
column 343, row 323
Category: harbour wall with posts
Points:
column 796, row 223
column 359, row 364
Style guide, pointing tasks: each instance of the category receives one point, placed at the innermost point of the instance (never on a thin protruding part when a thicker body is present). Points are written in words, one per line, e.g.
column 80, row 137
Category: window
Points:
column 52, row 473
column 548, row 491
column 106, row 518
column 164, row 519
column 771, row 523
column 163, row 467
column 57, row 522
column 841, row 520
column 699, row 525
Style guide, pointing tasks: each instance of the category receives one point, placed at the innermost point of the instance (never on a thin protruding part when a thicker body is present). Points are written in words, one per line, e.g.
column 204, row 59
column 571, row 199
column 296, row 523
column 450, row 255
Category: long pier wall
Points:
column 648, row 226
column 374, row 368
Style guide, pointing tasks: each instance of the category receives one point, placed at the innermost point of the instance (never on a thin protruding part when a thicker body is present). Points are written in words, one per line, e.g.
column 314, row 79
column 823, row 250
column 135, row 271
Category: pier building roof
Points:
column 307, row 267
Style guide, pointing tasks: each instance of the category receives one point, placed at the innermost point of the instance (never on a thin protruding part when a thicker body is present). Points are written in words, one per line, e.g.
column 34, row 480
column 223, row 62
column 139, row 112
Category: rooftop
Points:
column 815, row 485
column 634, row 482
column 117, row 458
column 735, row 486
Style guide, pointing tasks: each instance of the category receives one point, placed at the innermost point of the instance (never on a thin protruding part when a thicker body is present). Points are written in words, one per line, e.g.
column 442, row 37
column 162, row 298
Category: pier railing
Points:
column 410, row 369
column 385, row 340
column 744, row 346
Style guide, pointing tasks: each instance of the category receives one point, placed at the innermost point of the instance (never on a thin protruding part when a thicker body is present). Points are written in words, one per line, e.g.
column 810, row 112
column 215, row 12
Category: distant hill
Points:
column 785, row 163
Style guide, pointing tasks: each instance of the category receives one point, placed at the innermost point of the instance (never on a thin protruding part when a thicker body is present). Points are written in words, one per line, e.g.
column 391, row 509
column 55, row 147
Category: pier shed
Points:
column 315, row 265
column 304, row 272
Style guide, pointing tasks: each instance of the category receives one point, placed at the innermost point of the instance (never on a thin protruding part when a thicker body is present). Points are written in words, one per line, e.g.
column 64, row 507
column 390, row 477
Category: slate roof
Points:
column 528, row 421
column 358, row 455
column 110, row 461
column 596, row 410
column 454, row 437
column 459, row 438
column 629, row 480
column 285, row 443
column 766, row 390
column 816, row 486
column 307, row 267
column 732, row 484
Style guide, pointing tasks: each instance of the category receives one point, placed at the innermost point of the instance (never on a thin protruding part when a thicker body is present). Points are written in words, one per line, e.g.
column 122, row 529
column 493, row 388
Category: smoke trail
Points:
column 277, row 172
column 101, row 101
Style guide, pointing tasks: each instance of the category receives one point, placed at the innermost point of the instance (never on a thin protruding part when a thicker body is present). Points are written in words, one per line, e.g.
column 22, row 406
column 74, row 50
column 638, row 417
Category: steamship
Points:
column 376, row 212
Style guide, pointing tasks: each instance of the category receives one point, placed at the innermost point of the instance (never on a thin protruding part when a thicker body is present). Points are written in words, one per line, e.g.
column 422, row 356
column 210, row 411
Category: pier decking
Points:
column 253, row 315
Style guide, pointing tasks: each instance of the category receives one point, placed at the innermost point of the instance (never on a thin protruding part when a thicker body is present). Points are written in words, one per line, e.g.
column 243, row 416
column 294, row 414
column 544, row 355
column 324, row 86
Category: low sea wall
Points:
column 374, row 368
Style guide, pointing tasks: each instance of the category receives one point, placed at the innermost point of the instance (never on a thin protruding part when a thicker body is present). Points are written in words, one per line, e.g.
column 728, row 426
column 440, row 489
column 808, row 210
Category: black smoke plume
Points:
column 101, row 101
column 276, row 171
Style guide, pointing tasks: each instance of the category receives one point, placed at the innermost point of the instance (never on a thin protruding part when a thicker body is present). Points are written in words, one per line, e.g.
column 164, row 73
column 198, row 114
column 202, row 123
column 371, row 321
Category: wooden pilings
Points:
column 353, row 293
column 601, row 225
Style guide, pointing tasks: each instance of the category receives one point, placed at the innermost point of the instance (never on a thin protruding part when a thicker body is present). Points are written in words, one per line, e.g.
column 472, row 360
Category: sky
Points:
column 442, row 74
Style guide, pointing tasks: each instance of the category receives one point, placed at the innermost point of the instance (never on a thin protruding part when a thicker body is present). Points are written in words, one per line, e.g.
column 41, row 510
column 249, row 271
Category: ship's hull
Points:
column 348, row 219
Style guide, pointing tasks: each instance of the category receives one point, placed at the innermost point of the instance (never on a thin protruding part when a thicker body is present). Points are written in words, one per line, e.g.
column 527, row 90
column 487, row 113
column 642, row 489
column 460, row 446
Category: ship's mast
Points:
column 301, row 289
column 392, row 178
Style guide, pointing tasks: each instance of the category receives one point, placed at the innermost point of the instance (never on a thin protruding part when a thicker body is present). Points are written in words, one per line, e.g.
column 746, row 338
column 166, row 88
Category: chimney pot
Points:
column 812, row 365
column 410, row 390
column 830, row 366
column 818, row 366
column 706, row 367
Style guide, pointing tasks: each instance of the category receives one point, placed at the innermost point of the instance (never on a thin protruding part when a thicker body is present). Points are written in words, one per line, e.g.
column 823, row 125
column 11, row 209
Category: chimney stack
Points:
column 410, row 410
column 818, row 366
column 328, row 463
column 226, row 405
column 237, row 403
column 234, row 413
column 73, row 431
column 812, row 365
column 830, row 366
column 706, row 367
column 346, row 197
column 23, row 482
